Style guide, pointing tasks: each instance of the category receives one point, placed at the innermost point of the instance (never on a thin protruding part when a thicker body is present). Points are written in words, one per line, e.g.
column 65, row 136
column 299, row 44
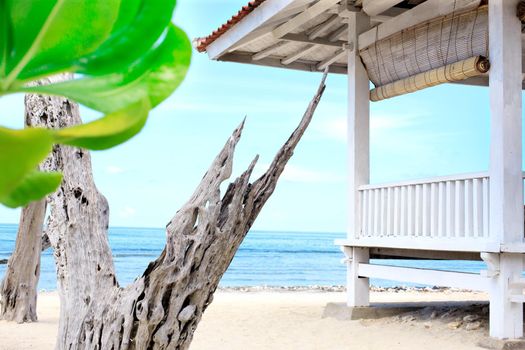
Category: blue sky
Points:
column 439, row 131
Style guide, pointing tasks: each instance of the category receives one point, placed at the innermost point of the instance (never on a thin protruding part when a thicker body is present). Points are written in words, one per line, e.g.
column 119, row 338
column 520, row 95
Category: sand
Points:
column 290, row 320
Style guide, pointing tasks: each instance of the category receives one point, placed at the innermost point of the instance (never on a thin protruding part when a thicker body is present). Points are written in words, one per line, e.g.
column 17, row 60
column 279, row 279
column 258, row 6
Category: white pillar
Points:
column 506, row 184
column 358, row 154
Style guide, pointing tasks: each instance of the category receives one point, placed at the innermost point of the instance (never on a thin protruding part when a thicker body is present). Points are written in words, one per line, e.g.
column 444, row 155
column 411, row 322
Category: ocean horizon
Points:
column 265, row 258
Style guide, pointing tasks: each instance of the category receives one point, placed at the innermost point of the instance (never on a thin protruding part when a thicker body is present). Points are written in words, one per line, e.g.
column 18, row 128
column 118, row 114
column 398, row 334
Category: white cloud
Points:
column 294, row 173
column 336, row 128
column 127, row 212
column 113, row 169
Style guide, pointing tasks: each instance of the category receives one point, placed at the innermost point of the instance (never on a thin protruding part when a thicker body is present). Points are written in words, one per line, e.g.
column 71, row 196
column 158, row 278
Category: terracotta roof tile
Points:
column 202, row 43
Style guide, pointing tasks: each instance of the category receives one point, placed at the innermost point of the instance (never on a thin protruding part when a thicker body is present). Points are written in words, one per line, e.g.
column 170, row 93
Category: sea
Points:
column 265, row 258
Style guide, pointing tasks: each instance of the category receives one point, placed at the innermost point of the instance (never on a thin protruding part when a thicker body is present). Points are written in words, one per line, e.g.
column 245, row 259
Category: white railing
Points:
column 452, row 206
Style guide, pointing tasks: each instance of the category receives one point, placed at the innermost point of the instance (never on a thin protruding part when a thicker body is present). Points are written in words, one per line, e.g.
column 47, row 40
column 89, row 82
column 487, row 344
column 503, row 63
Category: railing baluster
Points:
column 425, row 208
column 468, row 208
column 403, row 227
column 397, row 212
column 486, row 202
column 382, row 221
column 411, row 207
column 370, row 213
column 459, row 205
column 377, row 216
column 451, row 201
column 389, row 211
column 364, row 213
column 442, row 207
column 418, row 211
column 477, row 218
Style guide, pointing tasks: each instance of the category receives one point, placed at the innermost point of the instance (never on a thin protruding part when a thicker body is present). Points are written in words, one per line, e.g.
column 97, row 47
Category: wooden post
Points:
column 506, row 184
column 358, row 154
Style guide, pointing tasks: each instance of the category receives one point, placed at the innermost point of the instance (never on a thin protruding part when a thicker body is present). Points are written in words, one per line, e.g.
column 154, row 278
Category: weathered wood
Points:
column 162, row 308
column 19, row 286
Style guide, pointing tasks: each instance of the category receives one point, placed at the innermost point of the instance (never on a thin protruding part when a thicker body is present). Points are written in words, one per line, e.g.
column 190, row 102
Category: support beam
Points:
column 376, row 7
column 307, row 15
column 338, row 55
column 425, row 276
column 506, row 184
column 295, row 56
column 358, row 154
column 323, row 27
column 334, row 36
column 304, row 39
column 269, row 50
column 427, row 10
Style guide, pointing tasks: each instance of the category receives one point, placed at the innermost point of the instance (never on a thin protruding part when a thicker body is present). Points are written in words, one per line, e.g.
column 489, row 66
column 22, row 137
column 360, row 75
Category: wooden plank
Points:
column 302, row 65
column 425, row 11
column 295, row 56
column 301, row 38
column 425, row 243
column 269, row 50
column 335, row 35
column 459, row 209
column 427, row 180
column 323, row 27
column 250, row 23
column 307, row 15
column 451, row 210
column 376, row 7
column 395, row 253
column 425, row 276
column 336, row 56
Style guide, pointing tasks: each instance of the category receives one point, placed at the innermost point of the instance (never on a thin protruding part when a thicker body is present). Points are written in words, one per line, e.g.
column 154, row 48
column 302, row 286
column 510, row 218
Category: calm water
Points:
column 264, row 258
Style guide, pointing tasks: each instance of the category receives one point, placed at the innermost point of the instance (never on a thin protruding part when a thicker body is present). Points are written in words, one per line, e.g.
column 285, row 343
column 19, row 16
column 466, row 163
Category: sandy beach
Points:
column 263, row 319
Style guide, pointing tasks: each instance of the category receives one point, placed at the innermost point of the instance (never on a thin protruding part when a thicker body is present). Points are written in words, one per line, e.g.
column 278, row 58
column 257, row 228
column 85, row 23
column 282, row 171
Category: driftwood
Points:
column 161, row 309
column 19, row 286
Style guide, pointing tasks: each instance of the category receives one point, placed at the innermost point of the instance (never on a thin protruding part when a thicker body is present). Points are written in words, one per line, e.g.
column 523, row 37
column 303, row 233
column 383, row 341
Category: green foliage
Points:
column 130, row 57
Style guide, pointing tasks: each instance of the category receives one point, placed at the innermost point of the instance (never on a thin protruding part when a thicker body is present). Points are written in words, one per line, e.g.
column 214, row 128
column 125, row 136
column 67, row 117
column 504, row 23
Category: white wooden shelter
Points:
column 472, row 216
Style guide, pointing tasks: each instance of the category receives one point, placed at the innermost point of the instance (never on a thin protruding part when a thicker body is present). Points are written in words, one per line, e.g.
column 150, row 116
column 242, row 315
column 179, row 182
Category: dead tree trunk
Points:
column 161, row 309
column 19, row 287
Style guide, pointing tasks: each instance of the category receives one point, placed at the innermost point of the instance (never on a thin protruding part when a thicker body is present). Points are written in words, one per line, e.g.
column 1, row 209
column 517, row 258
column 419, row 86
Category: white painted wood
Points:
column 434, row 212
column 357, row 287
column 336, row 35
column 403, row 227
column 421, row 13
column 323, row 27
column 425, row 243
column 301, row 38
column 425, row 276
column 376, row 7
column 459, row 206
column 308, row 14
column 382, row 221
column 477, row 212
column 418, row 211
column 486, row 199
column 426, row 181
column 336, row 56
column 396, row 215
column 364, row 195
column 269, row 50
column 468, row 208
column 247, row 25
column 425, row 229
column 451, row 208
column 358, row 157
column 442, row 209
column 411, row 210
column 389, row 230
column 295, row 56
column 506, row 184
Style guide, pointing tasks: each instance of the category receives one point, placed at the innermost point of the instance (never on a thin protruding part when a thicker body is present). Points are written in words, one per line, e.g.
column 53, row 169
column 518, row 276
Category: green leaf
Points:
column 111, row 130
column 139, row 25
column 52, row 35
column 20, row 153
column 155, row 77
column 33, row 186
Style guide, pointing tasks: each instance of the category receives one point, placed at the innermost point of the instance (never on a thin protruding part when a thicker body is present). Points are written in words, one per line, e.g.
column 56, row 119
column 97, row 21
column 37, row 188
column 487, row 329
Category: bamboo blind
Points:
column 430, row 47
column 457, row 71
